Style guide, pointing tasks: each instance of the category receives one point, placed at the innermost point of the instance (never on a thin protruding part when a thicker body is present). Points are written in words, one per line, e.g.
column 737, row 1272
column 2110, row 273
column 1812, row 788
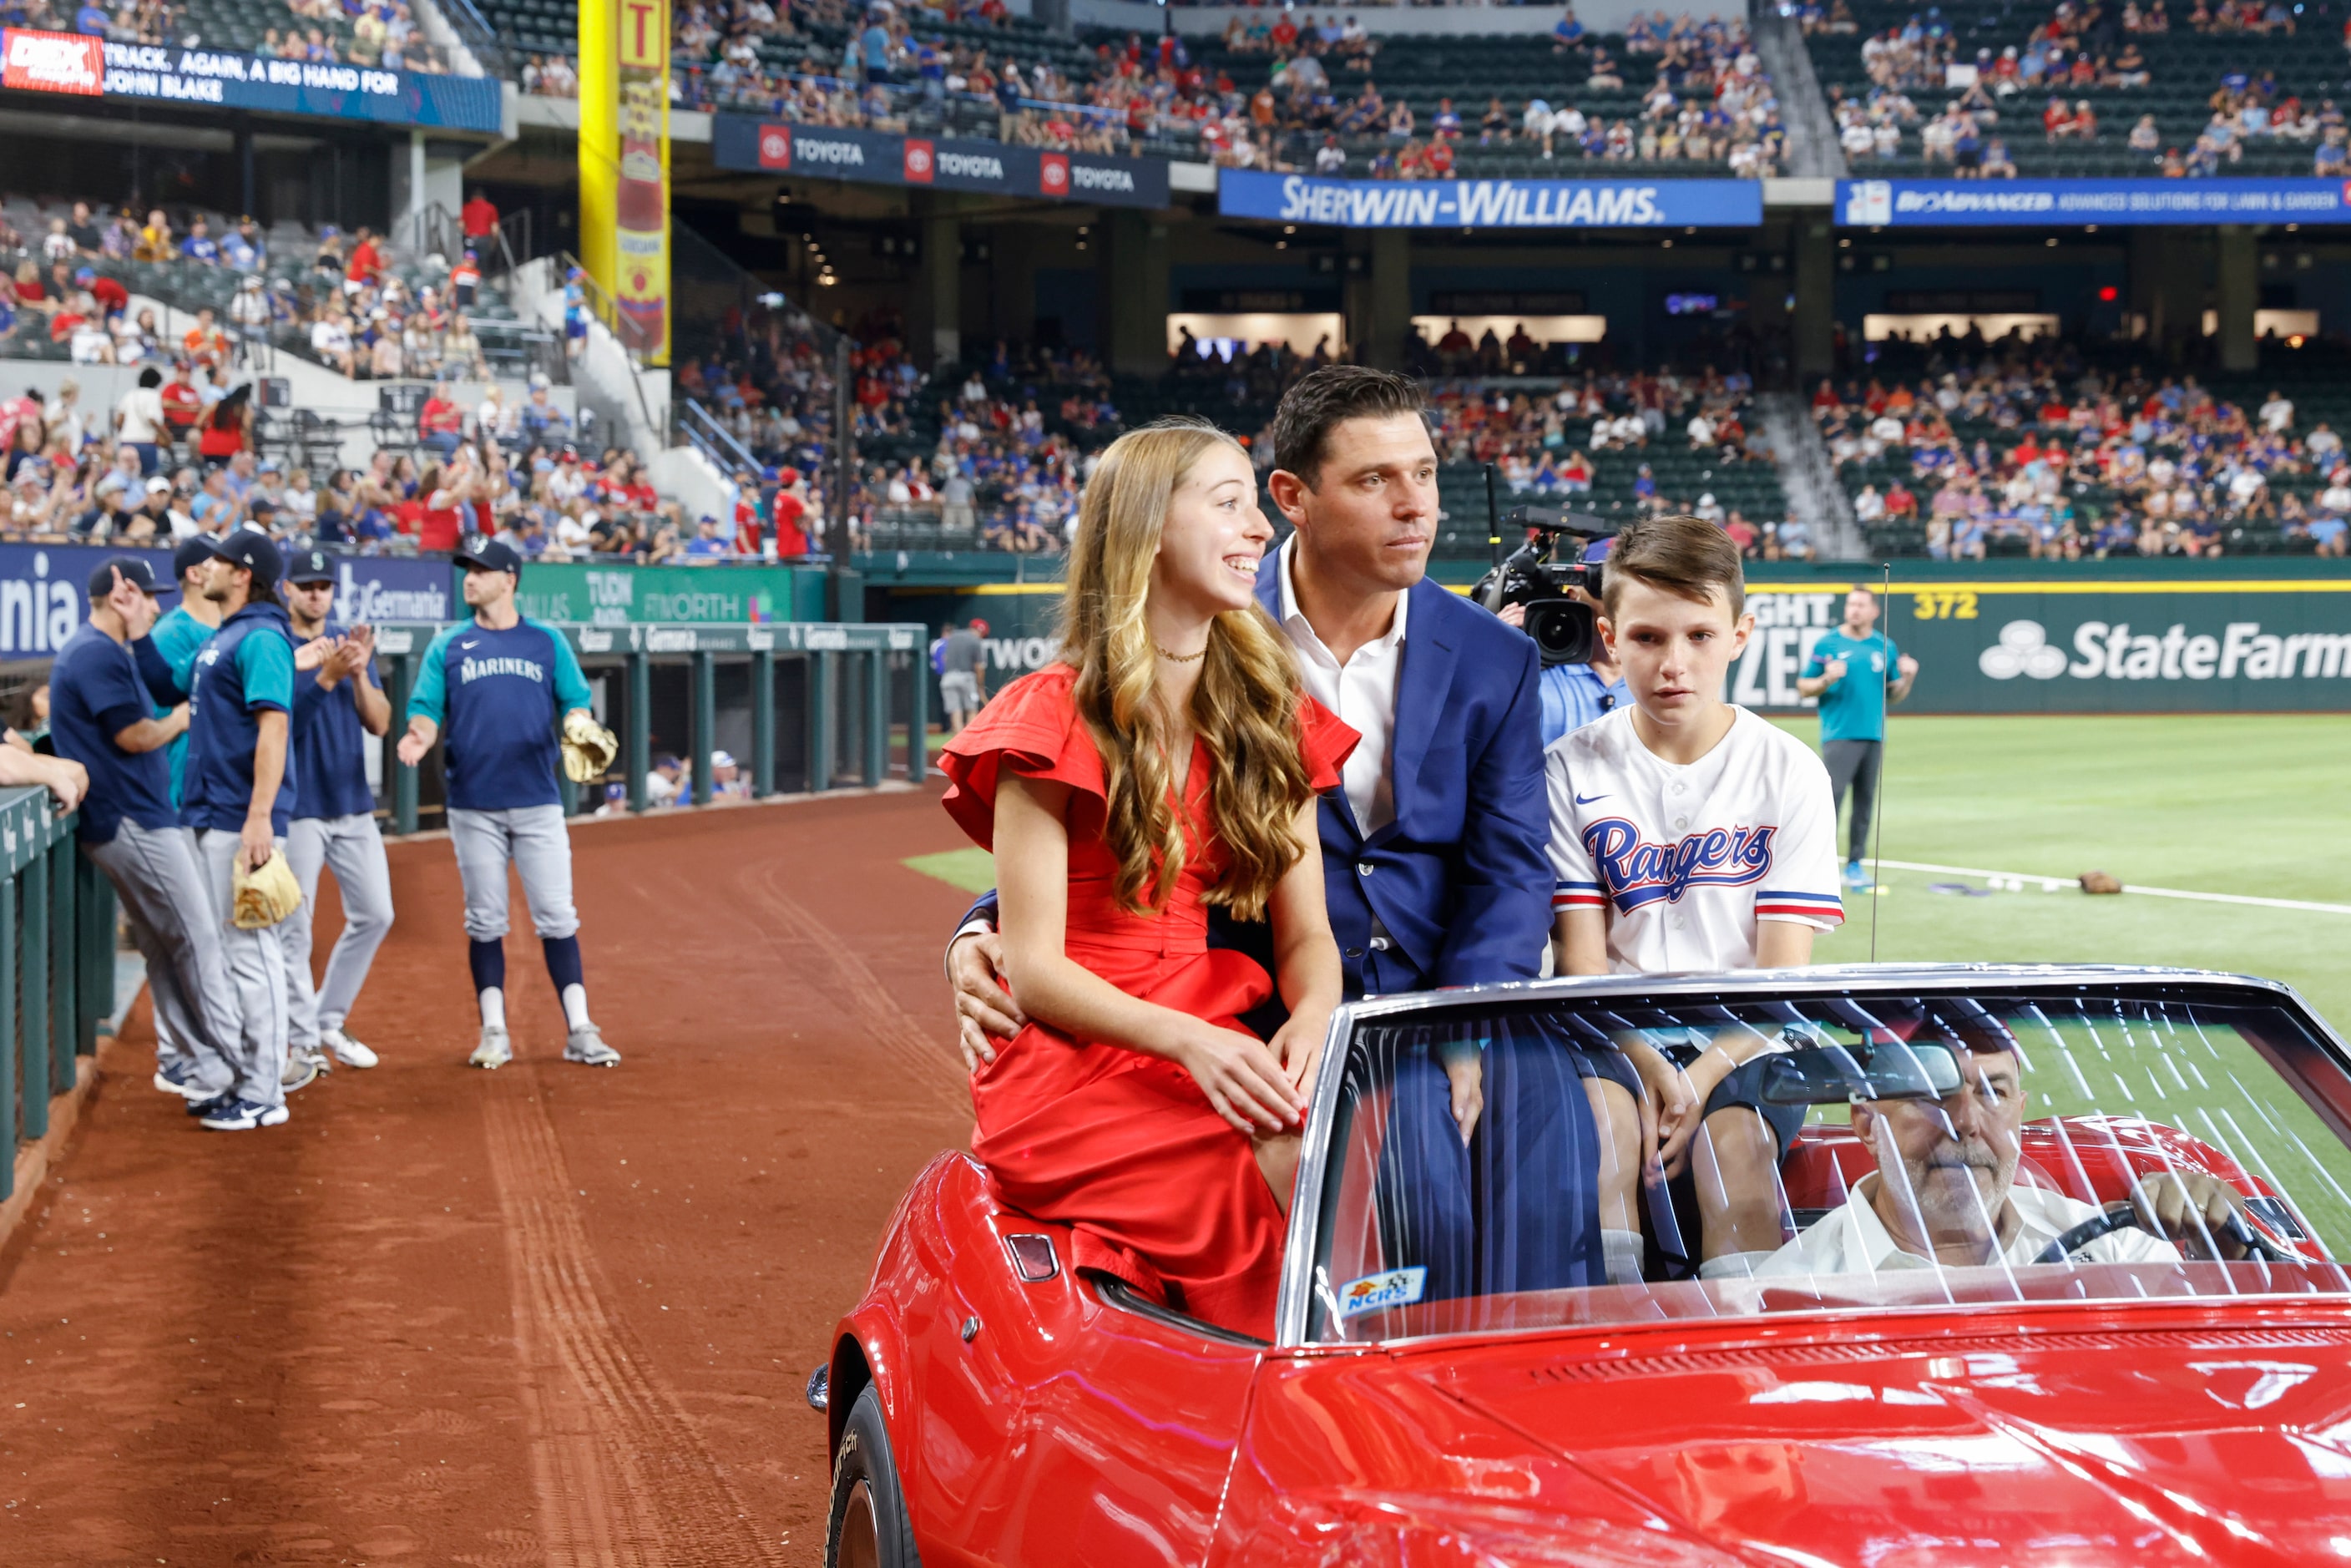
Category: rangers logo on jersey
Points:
column 1636, row 872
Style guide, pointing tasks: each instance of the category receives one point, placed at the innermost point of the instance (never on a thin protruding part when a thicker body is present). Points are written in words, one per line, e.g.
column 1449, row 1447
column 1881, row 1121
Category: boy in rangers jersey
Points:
column 1689, row 834
column 337, row 708
column 498, row 687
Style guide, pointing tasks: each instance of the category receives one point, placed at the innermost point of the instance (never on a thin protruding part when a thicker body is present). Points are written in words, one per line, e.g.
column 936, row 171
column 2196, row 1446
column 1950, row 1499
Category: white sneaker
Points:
column 586, row 1046
column 347, row 1052
column 494, row 1051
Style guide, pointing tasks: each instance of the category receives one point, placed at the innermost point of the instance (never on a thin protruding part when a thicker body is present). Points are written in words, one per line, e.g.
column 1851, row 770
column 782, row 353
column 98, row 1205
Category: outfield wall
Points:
column 2053, row 643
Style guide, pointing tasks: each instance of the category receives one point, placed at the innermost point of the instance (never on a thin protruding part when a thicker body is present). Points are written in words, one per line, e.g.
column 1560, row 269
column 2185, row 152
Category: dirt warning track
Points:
column 544, row 1316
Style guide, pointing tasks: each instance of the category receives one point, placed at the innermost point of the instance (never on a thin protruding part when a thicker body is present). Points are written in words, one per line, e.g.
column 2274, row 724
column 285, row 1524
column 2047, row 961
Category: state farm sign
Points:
column 54, row 62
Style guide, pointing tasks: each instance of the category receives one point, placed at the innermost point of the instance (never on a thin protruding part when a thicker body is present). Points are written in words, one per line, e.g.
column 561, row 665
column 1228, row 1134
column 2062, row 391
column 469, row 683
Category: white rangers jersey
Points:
column 1686, row 860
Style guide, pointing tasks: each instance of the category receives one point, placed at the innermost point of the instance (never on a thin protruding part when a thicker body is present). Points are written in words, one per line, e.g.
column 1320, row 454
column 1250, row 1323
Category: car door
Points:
column 1127, row 1445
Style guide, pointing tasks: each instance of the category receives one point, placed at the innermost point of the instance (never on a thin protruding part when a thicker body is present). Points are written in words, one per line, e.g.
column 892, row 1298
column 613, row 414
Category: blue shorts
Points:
column 2326, row 530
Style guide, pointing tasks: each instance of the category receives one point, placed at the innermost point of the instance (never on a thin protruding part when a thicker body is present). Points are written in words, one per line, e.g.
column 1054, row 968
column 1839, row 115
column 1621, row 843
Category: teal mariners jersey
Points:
column 1854, row 708
column 498, row 697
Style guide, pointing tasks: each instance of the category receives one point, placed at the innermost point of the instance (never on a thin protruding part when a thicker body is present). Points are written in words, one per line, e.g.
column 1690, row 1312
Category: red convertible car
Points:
column 2055, row 1288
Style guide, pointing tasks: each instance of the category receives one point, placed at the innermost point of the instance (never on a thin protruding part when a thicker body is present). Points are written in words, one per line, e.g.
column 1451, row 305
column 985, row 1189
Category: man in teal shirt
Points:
column 1856, row 672
column 181, row 634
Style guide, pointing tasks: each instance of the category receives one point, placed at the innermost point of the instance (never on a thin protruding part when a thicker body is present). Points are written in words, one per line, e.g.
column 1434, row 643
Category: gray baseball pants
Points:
column 535, row 839
column 257, row 971
column 352, row 848
column 167, row 903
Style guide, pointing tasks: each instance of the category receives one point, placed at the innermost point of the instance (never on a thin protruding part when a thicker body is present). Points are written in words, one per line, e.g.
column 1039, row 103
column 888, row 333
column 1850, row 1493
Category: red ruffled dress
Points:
column 1125, row 1147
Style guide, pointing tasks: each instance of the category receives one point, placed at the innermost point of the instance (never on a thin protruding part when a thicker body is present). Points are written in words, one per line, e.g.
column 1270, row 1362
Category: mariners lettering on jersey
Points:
column 472, row 670
column 1638, row 873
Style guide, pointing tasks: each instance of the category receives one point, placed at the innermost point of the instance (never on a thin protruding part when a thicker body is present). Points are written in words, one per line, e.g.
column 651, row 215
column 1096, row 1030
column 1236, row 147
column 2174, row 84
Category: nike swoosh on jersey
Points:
column 1587, row 800
column 473, row 644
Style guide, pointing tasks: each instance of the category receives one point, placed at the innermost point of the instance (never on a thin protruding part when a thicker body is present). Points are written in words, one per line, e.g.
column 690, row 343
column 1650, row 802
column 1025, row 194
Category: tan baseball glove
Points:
column 265, row 896
column 588, row 748
column 2101, row 881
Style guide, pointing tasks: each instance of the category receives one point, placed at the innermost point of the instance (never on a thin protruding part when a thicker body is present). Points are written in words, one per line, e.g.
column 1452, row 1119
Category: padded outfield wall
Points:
column 2247, row 635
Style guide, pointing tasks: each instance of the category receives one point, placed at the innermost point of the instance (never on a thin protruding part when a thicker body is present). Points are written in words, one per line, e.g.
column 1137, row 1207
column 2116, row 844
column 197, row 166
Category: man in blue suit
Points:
column 1432, row 846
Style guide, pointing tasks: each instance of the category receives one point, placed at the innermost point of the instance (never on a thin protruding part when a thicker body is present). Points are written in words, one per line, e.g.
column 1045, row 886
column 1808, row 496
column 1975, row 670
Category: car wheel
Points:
column 868, row 1527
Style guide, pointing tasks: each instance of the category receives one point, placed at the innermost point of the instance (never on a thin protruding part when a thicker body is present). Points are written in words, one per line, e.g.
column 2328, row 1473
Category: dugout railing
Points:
column 803, row 707
column 56, row 964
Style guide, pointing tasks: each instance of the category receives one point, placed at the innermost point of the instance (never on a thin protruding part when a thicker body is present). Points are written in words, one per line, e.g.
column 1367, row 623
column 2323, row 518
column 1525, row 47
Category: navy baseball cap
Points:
column 490, row 555
column 194, row 552
column 251, row 550
column 134, row 570
column 310, row 566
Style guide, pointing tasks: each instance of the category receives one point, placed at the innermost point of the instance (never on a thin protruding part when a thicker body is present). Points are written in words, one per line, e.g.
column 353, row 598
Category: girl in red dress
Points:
column 1167, row 763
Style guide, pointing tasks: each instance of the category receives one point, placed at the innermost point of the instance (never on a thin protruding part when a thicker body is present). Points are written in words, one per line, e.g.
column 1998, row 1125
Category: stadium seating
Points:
column 2185, row 68
column 2085, row 504
column 1471, row 69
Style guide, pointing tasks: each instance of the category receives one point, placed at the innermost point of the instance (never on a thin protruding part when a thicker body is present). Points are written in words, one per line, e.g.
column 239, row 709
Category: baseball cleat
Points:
column 231, row 1114
column 349, row 1051
column 207, row 1107
column 494, row 1051
column 587, row 1046
column 178, row 1076
column 301, row 1072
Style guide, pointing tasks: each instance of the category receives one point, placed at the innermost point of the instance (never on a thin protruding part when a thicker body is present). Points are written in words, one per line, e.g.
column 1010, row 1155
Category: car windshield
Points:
column 2118, row 1140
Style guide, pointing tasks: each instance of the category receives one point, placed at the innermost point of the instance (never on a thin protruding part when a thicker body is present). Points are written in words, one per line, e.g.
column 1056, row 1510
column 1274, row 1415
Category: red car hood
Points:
column 2121, row 1439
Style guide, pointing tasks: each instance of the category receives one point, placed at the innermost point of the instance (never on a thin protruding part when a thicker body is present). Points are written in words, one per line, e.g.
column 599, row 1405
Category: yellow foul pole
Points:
column 599, row 138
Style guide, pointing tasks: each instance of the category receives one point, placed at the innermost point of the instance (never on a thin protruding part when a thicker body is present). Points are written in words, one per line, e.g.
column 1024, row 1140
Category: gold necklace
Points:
column 1180, row 658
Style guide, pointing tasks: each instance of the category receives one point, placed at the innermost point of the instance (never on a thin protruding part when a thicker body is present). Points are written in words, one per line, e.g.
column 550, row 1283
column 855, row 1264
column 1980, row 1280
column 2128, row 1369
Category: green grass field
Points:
column 2241, row 804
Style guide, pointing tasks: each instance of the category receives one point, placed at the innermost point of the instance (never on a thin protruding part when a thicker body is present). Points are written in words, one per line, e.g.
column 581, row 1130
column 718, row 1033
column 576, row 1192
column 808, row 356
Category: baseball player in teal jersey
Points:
column 497, row 688
column 1856, row 671
column 179, row 636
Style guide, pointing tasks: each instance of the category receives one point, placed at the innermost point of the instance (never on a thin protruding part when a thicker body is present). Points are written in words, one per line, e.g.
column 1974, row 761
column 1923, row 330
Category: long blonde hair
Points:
column 1245, row 707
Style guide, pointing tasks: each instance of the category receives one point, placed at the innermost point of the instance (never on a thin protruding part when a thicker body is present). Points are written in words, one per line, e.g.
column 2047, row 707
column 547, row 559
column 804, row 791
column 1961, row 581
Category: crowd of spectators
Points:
column 891, row 68
column 2034, row 452
column 188, row 456
column 1709, row 103
column 348, row 308
column 376, row 33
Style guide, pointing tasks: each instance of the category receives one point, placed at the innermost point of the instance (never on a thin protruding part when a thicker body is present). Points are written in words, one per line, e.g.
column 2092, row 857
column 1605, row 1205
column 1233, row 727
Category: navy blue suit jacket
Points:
column 1459, row 880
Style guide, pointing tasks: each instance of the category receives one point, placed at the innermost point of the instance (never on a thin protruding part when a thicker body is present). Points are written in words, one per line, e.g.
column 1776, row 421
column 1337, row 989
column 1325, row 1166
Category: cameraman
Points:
column 1574, row 695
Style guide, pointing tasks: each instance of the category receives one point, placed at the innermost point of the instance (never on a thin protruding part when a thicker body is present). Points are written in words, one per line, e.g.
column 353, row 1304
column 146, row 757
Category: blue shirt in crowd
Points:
column 96, row 694
column 497, row 697
column 331, row 747
column 246, row 670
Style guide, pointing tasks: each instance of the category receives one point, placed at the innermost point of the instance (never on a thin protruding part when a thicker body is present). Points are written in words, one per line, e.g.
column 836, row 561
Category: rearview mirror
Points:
column 1837, row 1075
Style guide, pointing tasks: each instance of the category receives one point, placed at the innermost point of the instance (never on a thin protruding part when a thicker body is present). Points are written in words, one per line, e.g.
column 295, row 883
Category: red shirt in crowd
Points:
column 788, row 510
column 441, row 417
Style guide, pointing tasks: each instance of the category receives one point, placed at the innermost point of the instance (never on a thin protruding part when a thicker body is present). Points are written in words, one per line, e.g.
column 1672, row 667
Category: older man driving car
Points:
column 1945, row 1193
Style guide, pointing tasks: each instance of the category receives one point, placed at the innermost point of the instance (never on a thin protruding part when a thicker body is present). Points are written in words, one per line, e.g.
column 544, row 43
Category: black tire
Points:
column 866, row 1526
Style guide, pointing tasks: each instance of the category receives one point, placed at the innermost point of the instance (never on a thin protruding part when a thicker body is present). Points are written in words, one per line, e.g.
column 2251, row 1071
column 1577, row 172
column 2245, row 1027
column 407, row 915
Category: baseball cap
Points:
column 787, row 475
column 159, row 485
column 134, row 570
column 310, row 566
column 722, row 759
column 252, row 550
column 192, row 553
column 490, row 555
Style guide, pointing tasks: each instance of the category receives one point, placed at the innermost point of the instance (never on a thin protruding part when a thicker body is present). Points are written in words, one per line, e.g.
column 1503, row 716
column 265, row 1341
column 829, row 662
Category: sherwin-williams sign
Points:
column 624, row 595
column 1489, row 204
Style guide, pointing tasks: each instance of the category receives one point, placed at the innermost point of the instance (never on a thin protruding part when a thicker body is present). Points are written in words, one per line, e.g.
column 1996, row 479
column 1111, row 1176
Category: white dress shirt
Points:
column 1361, row 692
column 1853, row 1240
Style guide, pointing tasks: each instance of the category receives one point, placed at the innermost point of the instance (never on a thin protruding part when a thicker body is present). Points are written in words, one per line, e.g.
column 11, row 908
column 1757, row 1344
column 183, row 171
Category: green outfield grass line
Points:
column 2048, row 881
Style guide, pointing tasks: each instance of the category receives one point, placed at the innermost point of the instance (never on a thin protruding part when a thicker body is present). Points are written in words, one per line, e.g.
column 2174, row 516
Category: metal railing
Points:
column 806, row 707
column 707, row 435
column 56, row 966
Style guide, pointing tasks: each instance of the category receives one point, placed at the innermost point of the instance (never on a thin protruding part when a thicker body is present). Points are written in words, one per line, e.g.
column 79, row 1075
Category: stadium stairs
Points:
column 1813, row 152
column 1807, row 477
